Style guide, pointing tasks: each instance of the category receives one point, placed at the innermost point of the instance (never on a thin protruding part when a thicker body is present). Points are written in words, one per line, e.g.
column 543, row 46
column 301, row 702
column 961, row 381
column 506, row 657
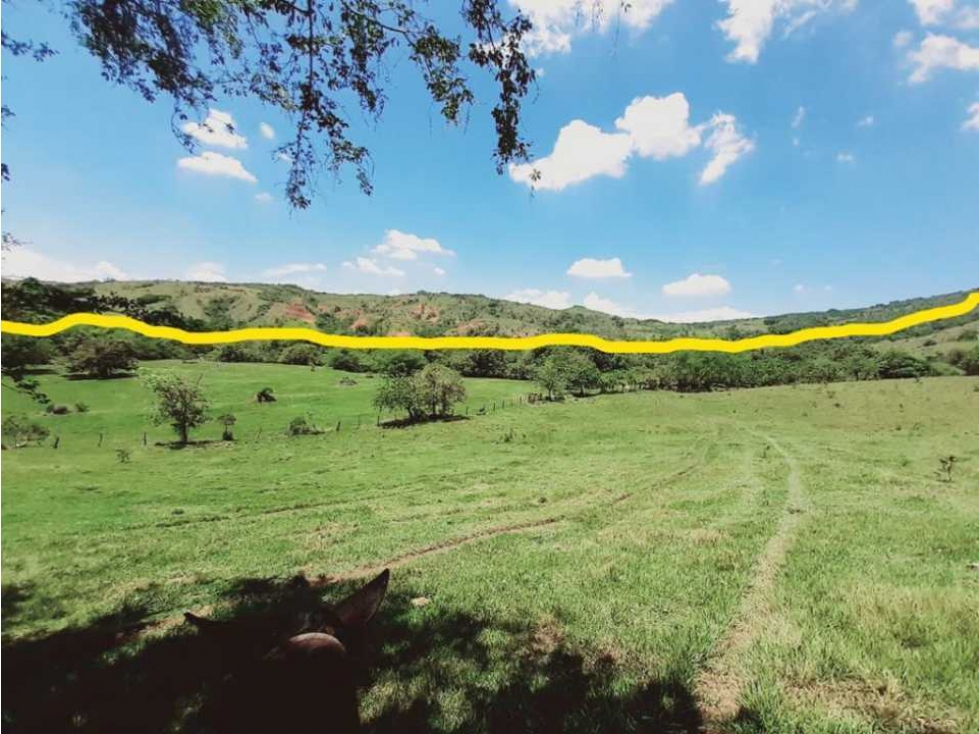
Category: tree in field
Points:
column 439, row 389
column 180, row 403
column 399, row 393
column 432, row 393
column 313, row 60
column 552, row 376
column 101, row 356
column 582, row 374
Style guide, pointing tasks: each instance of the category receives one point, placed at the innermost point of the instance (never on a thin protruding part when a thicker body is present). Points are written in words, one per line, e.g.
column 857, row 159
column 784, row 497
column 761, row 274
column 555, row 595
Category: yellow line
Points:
column 697, row 344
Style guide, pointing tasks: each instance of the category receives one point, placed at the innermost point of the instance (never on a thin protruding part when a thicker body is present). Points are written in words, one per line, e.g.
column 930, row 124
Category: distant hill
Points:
column 218, row 306
column 227, row 305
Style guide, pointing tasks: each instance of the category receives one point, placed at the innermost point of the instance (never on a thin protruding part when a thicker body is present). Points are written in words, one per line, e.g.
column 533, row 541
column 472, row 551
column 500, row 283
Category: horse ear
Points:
column 360, row 607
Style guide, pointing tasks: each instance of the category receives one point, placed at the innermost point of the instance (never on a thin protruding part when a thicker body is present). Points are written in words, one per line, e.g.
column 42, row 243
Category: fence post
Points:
column 57, row 440
column 259, row 434
column 144, row 438
column 338, row 426
column 100, row 438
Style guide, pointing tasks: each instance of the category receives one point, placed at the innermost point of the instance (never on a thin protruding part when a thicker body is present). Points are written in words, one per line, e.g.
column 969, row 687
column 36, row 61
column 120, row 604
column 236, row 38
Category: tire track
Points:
column 720, row 686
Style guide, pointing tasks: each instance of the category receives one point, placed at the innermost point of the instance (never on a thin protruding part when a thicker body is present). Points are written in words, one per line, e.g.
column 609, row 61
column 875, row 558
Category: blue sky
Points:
column 699, row 159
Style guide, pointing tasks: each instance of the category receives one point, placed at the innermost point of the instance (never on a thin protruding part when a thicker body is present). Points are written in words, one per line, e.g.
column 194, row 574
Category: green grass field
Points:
column 775, row 560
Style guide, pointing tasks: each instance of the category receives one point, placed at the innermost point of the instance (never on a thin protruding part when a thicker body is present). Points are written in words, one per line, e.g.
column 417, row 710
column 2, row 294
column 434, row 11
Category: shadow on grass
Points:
column 408, row 422
column 109, row 677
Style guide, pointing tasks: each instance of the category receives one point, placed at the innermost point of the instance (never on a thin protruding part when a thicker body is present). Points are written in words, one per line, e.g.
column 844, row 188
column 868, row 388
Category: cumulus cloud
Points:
column 218, row 129
column 370, row 266
column 867, row 121
column 294, row 268
column 24, row 261
column 696, row 284
column 972, row 121
column 268, row 132
column 208, row 272
column 596, row 303
column 941, row 52
column 720, row 313
column 844, row 157
column 931, row 11
column 403, row 246
column 557, row 21
column 749, row 23
column 264, row 197
column 650, row 127
column 215, row 164
column 727, row 144
column 438, row 271
column 582, row 151
column 588, row 267
column 548, row 299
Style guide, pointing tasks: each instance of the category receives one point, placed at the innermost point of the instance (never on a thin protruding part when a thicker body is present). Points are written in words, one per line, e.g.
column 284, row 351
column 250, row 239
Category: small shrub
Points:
column 227, row 420
column 265, row 395
column 123, row 456
column 53, row 409
column 19, row 431
column 929, row 343
column 82, row 407
column 947, row 465
column 302, row 426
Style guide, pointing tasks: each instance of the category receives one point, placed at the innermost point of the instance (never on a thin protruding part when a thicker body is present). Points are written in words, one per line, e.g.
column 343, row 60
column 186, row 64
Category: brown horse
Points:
column 306, row 682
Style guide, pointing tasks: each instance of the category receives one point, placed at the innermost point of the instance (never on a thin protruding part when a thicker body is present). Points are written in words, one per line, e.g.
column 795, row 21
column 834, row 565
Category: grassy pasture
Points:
column 778, row 560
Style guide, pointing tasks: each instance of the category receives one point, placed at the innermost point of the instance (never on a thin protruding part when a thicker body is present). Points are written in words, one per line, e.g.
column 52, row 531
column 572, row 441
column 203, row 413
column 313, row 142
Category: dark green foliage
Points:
column 81, row 407
column 101, row 356
column 21, row 352
column 347, row 360
column 265, row 395
column 123, row 456
column 314, row 61
column 901, row 365
column 400, row 363
column 968, row 361
column 53, row 409
column 307, row 354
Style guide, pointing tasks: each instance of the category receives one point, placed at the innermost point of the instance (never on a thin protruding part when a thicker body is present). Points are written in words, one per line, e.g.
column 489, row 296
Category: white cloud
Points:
column 967, row 19
column 798, row 288
column 659, row 127
column 844, row 157
column 902, row 39
column 932, row 12
column 24, row 261
column 800, row 115
column 547, row 299
column 942, row 52
column 596, row 303
column 370, row 266
column 582, row 151
column 283, row 156
column 265, row 197
column 207, row 272
column 650, row 127
column 972, row 122
column 867, row 121
column 557, row 21
column 403, row 246
column 803, row 289
column 696, row 284
column 720, row 313
column 749, row 23
column 589, row 267
column 217, row 129
column 438, row 271
column 727, row 144
column 268, row 132
column 215, row 164
column 293, row 268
